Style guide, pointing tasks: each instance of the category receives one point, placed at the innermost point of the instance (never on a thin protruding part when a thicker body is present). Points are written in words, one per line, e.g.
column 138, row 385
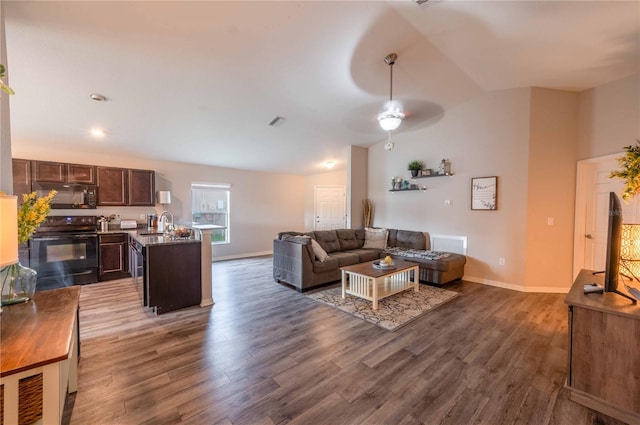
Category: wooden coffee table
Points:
column 362, row 280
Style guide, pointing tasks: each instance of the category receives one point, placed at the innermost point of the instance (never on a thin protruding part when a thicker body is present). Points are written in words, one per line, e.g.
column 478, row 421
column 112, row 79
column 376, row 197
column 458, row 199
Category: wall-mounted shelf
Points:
column 408, row 190
column 433, row 175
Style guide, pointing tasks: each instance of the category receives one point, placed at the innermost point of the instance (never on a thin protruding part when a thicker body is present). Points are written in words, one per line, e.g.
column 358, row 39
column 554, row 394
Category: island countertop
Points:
column 146, row 238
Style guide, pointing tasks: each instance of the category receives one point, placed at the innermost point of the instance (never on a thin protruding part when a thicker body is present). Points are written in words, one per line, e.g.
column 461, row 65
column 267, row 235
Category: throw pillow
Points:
column 320, row 253
column 375, row 238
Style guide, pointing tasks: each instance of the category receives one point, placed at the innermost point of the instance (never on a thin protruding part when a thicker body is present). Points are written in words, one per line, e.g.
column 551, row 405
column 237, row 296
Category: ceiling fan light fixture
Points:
column 390, row 120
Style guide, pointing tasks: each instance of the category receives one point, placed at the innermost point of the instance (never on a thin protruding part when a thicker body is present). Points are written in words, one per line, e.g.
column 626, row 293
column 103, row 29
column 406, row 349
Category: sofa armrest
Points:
column 292, row 262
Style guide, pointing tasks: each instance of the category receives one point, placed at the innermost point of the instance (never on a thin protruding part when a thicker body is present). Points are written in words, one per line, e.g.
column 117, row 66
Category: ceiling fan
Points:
column 392, row 115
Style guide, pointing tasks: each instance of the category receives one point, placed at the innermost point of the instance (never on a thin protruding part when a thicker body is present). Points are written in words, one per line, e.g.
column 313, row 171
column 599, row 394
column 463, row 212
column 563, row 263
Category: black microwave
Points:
column 70, row 195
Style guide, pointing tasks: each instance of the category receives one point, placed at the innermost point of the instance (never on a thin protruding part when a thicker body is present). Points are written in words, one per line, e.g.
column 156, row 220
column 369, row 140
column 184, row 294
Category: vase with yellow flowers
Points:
column 18, row 283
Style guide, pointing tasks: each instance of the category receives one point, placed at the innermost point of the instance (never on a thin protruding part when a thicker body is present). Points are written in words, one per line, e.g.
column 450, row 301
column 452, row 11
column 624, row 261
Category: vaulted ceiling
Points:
column 199, row 82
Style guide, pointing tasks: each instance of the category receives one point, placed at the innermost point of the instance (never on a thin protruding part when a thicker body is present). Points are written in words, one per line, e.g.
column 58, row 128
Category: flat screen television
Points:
column 614, row 235
column 614, row 243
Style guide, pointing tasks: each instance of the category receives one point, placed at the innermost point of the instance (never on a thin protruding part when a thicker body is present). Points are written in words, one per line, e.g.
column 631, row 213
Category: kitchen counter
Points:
column 150, row 239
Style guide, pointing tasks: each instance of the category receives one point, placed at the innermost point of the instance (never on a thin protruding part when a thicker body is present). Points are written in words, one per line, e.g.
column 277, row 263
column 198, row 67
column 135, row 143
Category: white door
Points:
column 330, row 208
column 592, row 210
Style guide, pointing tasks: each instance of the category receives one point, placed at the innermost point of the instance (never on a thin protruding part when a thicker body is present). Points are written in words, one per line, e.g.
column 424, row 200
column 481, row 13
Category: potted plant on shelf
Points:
column 415, row 167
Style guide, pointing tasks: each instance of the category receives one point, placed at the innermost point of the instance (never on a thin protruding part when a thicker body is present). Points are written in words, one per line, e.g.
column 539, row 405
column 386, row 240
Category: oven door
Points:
column 64, row 260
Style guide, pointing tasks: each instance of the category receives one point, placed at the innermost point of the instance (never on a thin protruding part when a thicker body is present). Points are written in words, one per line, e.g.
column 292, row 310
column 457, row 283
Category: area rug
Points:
column 393, row 312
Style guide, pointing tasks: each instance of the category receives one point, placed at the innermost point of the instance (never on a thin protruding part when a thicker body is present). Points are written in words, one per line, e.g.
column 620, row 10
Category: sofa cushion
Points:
column 367, row 254
column 360, row 237
column 320, row 253
column 375, row 238
column 345, row 258
column 301, row 239
column 328, row 240
column 410, row 239
column 347, row 239
column 331, row 264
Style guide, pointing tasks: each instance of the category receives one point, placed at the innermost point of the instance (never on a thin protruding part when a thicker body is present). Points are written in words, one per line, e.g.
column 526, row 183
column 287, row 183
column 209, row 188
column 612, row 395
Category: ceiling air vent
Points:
column 427, row 3
column 276, row 121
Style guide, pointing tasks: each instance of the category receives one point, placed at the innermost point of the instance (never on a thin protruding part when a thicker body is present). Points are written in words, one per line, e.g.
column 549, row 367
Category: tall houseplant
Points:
column 629, row 171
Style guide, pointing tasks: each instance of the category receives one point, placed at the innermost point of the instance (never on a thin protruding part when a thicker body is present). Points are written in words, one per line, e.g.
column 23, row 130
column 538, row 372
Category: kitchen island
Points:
column 169, row 268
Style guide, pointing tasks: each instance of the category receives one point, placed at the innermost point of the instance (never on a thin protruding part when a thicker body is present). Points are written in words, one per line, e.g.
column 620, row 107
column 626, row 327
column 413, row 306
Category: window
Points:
column 210, row 205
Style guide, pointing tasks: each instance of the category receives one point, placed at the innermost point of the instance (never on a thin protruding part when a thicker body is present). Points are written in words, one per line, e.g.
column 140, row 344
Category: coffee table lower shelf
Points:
column 363, row 281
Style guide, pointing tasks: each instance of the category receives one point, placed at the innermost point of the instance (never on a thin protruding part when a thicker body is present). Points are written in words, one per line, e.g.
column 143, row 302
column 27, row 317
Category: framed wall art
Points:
column 484, row 193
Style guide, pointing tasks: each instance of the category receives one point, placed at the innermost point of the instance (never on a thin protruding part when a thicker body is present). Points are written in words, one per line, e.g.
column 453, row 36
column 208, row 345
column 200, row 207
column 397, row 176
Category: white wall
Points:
column 609, row 117
column 262, row 204
column 6, row 178
column 487, row 136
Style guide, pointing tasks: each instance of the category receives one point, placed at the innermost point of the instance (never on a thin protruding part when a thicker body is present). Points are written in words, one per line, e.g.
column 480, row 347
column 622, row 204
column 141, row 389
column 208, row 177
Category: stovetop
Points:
column 69, row 224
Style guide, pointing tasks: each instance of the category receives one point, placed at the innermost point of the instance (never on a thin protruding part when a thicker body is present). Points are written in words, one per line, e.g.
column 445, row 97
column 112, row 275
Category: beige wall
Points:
column 357, row 186
column 487, row 136
column 262, row 204
column 553, row 142
column 5, row 134
column 609, row 117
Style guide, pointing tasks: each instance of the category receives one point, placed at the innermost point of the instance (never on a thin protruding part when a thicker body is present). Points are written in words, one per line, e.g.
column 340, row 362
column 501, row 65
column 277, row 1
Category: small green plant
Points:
column 416, row 165
column 5, row 88
column 630, row 172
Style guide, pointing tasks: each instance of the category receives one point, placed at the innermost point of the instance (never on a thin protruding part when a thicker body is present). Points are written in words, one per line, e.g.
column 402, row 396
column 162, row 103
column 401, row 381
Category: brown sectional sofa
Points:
column 295, row 263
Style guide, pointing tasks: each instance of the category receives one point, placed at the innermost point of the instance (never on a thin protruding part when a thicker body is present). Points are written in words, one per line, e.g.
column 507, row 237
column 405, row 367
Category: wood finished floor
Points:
column 265, row 354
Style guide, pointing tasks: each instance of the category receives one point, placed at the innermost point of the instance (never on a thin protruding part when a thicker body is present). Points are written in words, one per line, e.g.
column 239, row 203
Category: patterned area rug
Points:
column 393, row 312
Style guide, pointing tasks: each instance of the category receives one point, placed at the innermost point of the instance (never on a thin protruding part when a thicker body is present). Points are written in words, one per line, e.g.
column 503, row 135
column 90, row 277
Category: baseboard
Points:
column 206, row 302
column 237, row 256
column 519, row 288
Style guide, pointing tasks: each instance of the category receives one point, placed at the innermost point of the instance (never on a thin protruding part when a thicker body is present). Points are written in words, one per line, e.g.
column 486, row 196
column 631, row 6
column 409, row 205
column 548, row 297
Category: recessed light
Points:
column 330, row 164
column 98, row 132
column 98, row 97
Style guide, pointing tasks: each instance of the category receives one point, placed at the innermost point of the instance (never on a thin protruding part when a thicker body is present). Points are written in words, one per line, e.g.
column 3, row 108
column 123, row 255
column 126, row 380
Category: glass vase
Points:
column 18, row 283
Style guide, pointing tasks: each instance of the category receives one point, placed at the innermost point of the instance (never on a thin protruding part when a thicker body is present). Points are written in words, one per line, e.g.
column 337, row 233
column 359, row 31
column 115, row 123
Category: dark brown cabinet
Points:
column 21, row 177
column 80, row 173
column 53, row 172
column 113, row 256
column 172, row 276
column 141, row 187
column 112, row 186
column 604, row 330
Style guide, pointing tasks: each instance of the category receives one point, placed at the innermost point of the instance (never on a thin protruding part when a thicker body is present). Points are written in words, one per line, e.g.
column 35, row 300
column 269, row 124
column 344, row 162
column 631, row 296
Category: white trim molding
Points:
column 519, row 288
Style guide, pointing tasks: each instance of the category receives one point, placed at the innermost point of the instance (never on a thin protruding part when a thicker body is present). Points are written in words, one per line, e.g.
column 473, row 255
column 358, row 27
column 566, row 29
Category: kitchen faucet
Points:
column 162, row 222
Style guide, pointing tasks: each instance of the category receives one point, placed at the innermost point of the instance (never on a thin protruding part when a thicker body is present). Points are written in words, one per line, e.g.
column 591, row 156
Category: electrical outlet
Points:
column 143, row 216
column 447, row 202
column 501, row 261
column 550, row 221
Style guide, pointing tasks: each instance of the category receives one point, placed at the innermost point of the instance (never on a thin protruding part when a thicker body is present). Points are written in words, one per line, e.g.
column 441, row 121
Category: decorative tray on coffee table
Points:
column 382, row 266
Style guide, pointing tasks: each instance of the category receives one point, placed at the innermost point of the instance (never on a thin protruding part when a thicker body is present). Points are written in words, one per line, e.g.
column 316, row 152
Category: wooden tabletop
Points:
column 367, row 269
column 39, row 331
column 608, row 302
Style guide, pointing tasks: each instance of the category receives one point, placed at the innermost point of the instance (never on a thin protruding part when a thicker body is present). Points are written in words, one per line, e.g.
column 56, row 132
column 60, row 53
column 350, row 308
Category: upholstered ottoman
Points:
column 435, row 266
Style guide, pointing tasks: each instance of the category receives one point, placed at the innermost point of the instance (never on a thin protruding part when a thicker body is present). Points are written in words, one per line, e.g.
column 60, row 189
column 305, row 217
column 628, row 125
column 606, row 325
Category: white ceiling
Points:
column 199, row 82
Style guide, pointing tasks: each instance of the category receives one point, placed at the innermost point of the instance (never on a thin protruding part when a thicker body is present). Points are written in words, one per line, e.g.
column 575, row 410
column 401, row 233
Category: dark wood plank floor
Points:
column 265, row 354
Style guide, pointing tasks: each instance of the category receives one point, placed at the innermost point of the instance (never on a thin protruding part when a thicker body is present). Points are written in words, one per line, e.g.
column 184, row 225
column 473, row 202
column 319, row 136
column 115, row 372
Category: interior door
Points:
column 330, row 208
column 592, row 209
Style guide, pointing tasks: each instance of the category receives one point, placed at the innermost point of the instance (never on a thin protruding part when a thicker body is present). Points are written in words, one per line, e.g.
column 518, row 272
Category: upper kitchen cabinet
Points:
column 80, row 173
column 59, row 172
column 112, row 186
column 44, row 171
column 142, row 187
column 21, row 177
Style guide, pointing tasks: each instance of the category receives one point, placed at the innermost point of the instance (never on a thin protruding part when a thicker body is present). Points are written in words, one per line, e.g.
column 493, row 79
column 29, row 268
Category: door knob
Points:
column 588, row 236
